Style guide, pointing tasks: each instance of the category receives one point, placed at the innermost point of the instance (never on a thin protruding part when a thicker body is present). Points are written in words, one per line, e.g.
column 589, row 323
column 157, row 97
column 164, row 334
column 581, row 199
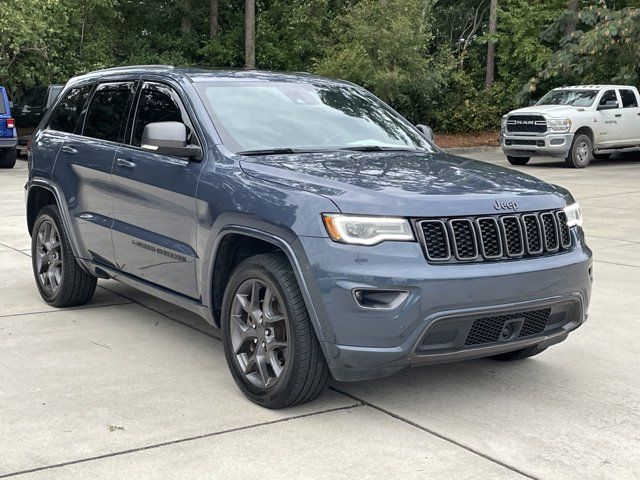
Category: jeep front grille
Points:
column 495, row 237
column 526, row 124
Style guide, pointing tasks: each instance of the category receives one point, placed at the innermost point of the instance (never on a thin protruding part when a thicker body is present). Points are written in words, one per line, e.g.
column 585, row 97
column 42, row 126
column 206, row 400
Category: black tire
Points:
column 601, row 156
column 518, row 160
column 8, row 157
column 75, row 285
column 305, row 372
column 581, row 152
column 519, row 354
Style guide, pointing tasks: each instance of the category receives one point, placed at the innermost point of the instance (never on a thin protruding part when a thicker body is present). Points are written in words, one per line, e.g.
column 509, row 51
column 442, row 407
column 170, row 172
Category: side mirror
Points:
column 532, row 103
column 609, row 105
column 169, row 138
column 426, row 131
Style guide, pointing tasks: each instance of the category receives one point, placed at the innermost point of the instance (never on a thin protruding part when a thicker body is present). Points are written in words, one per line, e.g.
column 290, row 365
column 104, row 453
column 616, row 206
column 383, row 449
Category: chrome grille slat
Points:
column 532, row 234
column 494, row 237
column 463, row 236
column 550, row 232
column 512, row 235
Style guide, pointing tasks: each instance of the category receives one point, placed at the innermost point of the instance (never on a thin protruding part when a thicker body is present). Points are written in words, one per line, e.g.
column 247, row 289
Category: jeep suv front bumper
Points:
column 434, row 322
column 548, row 145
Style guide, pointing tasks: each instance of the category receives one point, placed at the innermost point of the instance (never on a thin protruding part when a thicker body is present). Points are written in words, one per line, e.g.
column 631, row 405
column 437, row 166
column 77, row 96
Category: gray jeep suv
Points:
column 318, row 229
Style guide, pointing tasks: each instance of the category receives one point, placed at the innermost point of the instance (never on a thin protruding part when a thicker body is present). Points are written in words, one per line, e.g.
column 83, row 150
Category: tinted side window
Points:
column 609, row 96
column 629, row 99
column 35, row 97
column 106, row 118
column 65, row 116
column 158, row 103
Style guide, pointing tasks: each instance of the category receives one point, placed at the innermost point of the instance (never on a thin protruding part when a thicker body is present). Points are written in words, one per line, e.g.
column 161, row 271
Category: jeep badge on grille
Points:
column 505, row 205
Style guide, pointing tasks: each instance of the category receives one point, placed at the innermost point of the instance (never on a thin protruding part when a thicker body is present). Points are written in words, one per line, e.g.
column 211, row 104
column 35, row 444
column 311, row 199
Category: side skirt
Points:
column 162, row 293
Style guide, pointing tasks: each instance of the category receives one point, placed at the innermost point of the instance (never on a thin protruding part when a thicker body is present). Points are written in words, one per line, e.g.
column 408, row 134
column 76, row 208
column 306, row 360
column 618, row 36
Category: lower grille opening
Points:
column 489, row 329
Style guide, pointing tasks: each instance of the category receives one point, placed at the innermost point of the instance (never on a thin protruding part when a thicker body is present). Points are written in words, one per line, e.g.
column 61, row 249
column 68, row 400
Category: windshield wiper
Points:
column 379, row 148
column 283, row 150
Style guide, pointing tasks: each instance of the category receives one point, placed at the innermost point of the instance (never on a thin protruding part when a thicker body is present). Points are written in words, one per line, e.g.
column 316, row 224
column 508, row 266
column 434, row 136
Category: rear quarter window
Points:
column 65, row 116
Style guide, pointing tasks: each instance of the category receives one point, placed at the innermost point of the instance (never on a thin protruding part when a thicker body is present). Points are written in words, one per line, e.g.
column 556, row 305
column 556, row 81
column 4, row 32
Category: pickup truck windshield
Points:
column 289, row 117
column 576, row 98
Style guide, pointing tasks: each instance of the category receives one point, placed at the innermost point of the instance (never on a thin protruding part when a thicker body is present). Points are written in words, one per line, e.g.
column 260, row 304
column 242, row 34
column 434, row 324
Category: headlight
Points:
column 359, row 230
column 560, row 125
column 503, row 122
column 574, row 215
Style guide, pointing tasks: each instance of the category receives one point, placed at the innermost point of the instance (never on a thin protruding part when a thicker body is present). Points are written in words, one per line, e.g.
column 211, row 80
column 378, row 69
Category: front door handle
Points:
column 125, row 163
column 68, row 149
column 618, row 114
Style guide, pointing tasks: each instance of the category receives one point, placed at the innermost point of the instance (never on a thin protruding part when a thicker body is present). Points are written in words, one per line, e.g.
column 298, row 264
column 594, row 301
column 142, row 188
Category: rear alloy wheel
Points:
column 8, row 157
column 581, row 152
column 519, row 354
column 270, row 345
column 60, row 279
column 518, row 160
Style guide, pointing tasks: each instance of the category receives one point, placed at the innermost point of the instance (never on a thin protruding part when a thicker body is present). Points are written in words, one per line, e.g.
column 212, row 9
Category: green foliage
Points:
column 424, row 57
column 604, row 49
column 384, row 46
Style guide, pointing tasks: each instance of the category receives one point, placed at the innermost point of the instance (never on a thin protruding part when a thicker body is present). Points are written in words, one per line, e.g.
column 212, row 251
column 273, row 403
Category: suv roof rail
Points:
column 136, row 67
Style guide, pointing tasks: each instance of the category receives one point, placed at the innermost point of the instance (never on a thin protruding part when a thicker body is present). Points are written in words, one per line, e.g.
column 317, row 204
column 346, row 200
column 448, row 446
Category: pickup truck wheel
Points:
column 8, row 158
column 60, row 279
column 270, row 345
column 581, row 152
column 518, row 160
column 519, row 354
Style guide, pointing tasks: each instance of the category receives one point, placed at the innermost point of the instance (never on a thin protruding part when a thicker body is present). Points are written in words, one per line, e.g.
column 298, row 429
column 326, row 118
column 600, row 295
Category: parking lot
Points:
column 132, row 387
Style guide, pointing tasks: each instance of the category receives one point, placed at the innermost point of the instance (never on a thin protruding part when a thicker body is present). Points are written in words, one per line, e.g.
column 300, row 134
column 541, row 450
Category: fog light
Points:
column 378, row 299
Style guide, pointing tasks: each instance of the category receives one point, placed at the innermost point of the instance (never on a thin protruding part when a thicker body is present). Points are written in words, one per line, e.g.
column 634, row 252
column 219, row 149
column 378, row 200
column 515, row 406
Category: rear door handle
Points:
column 125, row 163
column 68, row 149
column 618, row 114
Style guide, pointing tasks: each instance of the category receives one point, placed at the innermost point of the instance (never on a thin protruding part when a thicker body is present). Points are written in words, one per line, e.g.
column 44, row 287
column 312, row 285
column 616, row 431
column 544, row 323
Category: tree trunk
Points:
column 491, row 48
column 213, row 18
column 572, row 20
column 250, row 34
column 185, row 22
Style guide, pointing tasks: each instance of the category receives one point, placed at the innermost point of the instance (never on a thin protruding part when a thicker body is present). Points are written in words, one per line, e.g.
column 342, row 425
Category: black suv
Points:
column 29, row 110
column 311, row 223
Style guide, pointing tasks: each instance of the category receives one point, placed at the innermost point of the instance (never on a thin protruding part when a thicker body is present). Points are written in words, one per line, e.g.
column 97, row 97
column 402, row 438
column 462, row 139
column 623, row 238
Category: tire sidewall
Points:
column 8, row 157
column 573, row 155
column 49, row 214
column 243, row 272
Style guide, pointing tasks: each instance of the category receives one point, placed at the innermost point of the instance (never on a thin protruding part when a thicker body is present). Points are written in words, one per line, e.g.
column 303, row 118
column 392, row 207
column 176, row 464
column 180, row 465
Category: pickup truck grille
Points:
column 526, row 124
column 495, row 237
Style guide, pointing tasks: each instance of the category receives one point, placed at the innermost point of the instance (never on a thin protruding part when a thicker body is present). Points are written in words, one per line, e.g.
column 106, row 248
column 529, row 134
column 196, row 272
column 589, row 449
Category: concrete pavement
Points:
column 132, row 387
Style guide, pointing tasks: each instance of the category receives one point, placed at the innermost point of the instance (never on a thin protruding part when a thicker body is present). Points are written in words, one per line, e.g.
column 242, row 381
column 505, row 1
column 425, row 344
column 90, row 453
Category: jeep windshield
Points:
column 575, row 98
column 271, row 117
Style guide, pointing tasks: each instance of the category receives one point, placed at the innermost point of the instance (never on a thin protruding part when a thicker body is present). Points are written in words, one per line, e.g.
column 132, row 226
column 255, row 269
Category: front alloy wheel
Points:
column 269, row 343
column 259, row 333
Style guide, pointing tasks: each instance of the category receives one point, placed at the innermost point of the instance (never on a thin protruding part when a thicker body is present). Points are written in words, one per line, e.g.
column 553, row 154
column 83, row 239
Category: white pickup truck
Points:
column 577, row 123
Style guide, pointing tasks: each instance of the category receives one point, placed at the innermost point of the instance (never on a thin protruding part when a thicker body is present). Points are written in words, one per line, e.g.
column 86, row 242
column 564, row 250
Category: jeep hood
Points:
column 406, row 183
column 555, row 111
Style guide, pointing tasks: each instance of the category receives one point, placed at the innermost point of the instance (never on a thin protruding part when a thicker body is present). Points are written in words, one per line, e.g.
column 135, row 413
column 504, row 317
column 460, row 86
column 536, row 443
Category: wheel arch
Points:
column 586, row 131
column 38, row 197
column 247, row 242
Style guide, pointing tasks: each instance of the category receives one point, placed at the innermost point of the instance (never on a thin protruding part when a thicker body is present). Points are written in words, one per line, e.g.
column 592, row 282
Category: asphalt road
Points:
column 132, row 387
